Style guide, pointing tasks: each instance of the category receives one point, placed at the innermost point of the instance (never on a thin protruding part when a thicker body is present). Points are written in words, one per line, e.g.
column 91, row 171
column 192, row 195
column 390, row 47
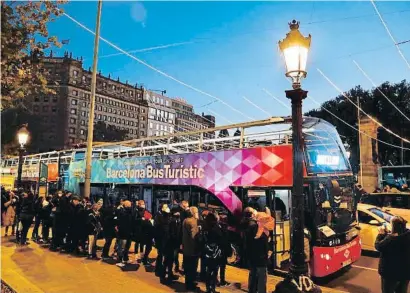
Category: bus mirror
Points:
column 374, row 223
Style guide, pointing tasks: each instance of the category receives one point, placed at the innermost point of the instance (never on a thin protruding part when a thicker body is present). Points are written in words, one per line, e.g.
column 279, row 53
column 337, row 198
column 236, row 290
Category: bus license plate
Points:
column 346, row 262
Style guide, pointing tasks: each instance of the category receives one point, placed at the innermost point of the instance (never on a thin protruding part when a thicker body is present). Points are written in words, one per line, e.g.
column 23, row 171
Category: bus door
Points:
column 162, row 196
column 147, row 197
column 278, row 202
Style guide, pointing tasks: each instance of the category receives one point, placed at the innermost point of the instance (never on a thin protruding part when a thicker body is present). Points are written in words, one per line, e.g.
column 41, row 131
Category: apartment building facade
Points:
column 161, row 116
column 65, row 114
column 187, row 120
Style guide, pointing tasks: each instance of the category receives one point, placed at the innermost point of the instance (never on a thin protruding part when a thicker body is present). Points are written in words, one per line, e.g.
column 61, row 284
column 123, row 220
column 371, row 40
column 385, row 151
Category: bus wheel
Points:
column 235, row 257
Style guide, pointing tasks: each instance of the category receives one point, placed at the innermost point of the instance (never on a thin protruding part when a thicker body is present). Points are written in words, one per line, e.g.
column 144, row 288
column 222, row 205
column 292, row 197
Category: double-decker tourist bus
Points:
column 228, row 173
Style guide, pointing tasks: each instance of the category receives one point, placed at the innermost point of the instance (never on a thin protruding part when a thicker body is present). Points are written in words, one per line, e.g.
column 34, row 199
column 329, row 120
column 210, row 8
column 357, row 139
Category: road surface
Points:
column 35, row 269
column 362, row 277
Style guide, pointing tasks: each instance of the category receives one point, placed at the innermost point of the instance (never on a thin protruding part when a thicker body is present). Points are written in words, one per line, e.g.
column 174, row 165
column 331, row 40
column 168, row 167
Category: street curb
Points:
column 18, row 283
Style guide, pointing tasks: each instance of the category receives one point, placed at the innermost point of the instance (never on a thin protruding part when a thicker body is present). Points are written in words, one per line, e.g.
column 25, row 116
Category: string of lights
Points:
column 361, row 110
column 374, row 84
column 390, row 34
column 156, row 69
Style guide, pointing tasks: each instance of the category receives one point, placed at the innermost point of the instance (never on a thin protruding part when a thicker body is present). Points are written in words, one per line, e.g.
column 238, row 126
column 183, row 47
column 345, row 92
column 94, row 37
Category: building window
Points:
column 109, row 110
column 142, row 133
column 45, row 108
column 74, row 93
column 142, row 110
column 54, row 109
column 167, row 103
column 75, row 73
column 109, row 118
column 45, row 99
column 99, row 117
column 122, row 90
column 131, row 93
column 99, row 108
column 73, row 120
column 113, row 87
column 114, row 111
column 123, row 121
column 105, row 117
column 131, row 131
column 114, row 119
column 83, row 113
column 84, row 78
column 45, row 119
column 71, row 130
column 82, row 122
column 104, row 84
column 142, row 125
column 82, row 131
column 105, row 109
column 55, row 99
column 36, row 99
column 84, row 104
column 71, row 140
column 123, row 113
column 73, row 102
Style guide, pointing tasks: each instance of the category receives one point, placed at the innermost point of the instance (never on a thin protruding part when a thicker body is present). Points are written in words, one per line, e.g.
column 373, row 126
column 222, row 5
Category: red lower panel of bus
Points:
column 328, row 260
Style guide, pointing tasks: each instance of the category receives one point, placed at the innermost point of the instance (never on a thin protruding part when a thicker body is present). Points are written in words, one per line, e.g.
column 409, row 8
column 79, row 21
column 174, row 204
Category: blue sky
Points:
column 232, row 50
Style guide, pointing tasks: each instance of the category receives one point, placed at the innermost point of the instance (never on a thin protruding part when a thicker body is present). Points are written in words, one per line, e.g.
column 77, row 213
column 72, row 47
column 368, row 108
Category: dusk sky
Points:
column 229, row 49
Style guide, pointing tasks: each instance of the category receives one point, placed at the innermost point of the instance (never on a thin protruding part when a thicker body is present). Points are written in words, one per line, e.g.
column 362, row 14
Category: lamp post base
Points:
column 297, row 284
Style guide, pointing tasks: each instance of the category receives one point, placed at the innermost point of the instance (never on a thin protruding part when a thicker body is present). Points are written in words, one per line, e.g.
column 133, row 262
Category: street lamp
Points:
column 22, row 137
column 295, row 49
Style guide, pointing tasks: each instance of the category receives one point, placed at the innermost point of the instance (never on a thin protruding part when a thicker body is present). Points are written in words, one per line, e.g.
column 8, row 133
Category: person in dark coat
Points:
column 147, row 233
column 181, row 211
column 45, row 218
column 38, row 200
column 75, row 225
column 94, row 228
column 212, row 250
column 161, row 223
column 256, row 251
column 26, row 216
column 124, row 228
column 58, row 221
column 108, row 223
column 226, row 252
column 175, row 230
column 142, row 231
column 394, row 264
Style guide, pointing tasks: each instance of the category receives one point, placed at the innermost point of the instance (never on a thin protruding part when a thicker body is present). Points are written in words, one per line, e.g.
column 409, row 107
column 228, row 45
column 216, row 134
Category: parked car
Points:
column 370, row 218
column 396, row 203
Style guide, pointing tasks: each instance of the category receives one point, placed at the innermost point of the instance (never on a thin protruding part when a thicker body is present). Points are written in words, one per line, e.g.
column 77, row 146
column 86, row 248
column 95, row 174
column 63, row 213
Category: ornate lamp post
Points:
column 22, row 137
column 295, row 49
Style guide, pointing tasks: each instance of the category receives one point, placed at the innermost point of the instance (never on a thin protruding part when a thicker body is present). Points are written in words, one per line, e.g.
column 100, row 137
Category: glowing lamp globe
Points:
column 295, row 48
column 23, row 135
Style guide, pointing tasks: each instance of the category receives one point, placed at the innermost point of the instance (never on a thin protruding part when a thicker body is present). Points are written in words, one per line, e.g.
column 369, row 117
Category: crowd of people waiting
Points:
column 76, row 224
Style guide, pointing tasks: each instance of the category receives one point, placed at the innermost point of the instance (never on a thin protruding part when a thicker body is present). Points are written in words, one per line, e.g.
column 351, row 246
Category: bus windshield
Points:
column 324, row 149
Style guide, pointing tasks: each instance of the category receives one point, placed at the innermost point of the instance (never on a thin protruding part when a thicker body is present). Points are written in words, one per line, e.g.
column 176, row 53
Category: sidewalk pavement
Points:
column 35, row 269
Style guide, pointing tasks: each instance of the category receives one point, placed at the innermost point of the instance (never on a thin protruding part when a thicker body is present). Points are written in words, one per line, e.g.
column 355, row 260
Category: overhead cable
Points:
column 370, row 117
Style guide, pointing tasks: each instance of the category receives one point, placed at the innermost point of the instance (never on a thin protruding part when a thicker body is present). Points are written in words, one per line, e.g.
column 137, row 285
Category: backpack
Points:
column 211, row 250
